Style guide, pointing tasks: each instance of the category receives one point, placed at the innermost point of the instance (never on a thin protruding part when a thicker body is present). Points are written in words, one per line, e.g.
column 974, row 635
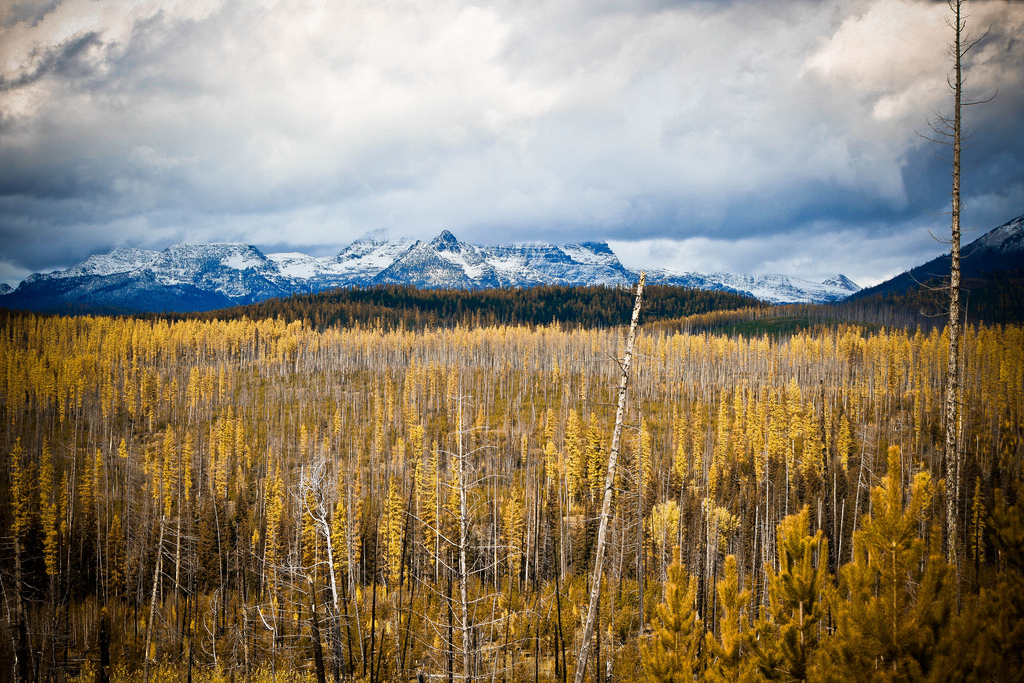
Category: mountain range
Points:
column 190, row 277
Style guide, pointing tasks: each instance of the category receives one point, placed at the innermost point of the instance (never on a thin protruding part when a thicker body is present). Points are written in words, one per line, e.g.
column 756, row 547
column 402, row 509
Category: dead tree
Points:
column 949, row 131
column 609, row 482
column 468, row 623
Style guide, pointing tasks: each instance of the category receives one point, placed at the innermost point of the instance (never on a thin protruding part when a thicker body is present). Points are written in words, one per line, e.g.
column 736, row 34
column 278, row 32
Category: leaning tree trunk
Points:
column 152, row 600
column 609, row 483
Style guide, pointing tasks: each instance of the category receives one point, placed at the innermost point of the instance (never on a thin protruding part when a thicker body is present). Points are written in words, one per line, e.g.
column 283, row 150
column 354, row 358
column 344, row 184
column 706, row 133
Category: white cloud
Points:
column 817, row 253
column 312, row 121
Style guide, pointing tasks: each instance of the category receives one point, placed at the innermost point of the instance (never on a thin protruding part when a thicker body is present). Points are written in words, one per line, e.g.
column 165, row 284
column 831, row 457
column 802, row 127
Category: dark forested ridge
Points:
column 393, row 306
column 996, row 298
column 261, row 499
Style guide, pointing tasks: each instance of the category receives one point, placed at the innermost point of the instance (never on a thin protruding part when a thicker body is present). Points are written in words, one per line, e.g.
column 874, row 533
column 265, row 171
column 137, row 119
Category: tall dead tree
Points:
column 609, row 483
column 949, row 130
column 952, row 455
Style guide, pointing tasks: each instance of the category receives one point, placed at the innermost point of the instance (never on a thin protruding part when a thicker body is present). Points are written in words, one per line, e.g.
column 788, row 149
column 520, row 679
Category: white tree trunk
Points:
column 609, row 482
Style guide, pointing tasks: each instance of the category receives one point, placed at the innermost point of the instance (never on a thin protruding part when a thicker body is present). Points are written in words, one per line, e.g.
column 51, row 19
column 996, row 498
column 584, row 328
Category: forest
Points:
column 262, row 497
column 391, row 306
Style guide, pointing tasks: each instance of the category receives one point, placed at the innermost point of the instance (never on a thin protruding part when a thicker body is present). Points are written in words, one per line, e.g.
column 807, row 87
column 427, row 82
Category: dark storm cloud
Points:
column 768, row 132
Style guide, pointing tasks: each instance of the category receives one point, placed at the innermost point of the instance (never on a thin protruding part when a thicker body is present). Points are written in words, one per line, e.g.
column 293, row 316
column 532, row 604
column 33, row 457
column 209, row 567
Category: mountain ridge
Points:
column 190, row 277
column 999, row 249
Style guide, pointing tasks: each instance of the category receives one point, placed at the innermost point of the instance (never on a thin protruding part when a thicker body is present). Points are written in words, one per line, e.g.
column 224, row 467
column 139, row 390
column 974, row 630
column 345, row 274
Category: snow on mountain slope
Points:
column 370, row 255
column 203, row 276
column 1008, row 238
column 777, row 289
column 442, row 262
column 296, row 266
column 117, row 261
column 571, row 264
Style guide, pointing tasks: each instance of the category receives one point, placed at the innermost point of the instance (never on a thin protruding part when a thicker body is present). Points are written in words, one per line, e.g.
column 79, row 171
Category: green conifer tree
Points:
column 673, row 654
column 726, row 651
column 896, row 621
column 797, row 601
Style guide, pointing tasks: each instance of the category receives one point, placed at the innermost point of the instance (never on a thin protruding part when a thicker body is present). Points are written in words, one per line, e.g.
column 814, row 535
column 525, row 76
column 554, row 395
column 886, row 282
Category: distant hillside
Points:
column 992, row 271
column 393, row 306
column 999, row 250
column 995, row 298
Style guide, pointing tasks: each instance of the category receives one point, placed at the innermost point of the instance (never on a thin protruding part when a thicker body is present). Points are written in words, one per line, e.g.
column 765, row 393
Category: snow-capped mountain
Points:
column 447, row 262
column 776, row 289
column 188, row 277
column 1000, row 249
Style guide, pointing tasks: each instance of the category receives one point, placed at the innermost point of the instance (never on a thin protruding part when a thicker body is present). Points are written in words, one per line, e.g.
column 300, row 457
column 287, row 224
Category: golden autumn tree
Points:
column 576, row 456
column 392, row 531
column 512, row 531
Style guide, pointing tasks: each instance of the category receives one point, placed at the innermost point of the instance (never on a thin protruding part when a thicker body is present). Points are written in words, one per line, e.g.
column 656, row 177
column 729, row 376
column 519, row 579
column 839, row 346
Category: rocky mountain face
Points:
column 188, row 277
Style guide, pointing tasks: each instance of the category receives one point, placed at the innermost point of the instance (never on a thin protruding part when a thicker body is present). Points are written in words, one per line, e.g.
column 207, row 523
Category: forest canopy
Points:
column 391, row 306
column 264, row 497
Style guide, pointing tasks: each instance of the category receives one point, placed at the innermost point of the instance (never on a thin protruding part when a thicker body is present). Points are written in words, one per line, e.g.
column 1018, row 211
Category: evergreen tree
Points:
column 797, row 600
column 895, row 623
column 674, row 653
column 727, row 663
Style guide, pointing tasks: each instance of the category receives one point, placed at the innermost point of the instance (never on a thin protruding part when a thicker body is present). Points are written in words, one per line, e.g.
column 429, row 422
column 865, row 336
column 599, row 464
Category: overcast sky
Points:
column 740, row 136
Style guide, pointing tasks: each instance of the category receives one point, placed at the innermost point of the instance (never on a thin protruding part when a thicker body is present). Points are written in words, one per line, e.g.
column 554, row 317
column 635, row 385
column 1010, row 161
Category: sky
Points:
column 741, row 136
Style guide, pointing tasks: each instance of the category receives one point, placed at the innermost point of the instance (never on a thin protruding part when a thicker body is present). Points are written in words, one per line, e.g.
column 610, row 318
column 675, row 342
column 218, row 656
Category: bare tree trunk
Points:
column 952, row 458
column 23, row 646
column 351, row 566
column 103, row 670
column 318, row 652
column 463, row 540
column 609, row 482
column 152, row 600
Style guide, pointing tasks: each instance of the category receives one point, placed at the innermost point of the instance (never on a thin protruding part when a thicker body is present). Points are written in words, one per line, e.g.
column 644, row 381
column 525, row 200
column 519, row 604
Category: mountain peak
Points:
column 597, row 247
column 1007, row 238
column 205, row 276
column 842, row 282
column 445, row 242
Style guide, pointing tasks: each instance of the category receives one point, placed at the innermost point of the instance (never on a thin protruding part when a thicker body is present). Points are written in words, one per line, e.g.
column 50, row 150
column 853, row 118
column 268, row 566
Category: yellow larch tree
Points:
column 427, row 485
column 596, row 458
column 673, row 652
column 50, row 513
column 392, row 532
column 513, row 529
column 575, row 455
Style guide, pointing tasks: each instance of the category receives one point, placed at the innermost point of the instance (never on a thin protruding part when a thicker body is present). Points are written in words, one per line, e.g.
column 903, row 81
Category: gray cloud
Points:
column 64, row 61
column 787, row 126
